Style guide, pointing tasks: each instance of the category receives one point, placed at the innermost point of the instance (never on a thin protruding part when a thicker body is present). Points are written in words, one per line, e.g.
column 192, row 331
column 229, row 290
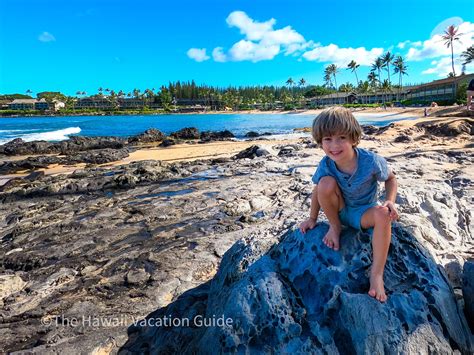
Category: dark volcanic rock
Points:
column 80, row 143
column 70, row 146
column 19, row 147
column 403, row 138
column 11, row 167
column 208, row 136
column 186, row 133
column 97, row 156
column 450, row 129
column 468, row 292
column 167, row 142
column 369, row 129
column 251, row 152
column 298, row 296
column 150, row 135
column 252, row 134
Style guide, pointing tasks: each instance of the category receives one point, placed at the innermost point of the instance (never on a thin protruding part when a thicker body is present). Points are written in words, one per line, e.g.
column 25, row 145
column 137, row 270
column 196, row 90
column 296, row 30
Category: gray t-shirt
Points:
column 360, row 188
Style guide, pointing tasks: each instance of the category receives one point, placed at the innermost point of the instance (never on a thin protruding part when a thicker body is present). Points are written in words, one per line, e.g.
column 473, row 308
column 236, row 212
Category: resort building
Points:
column 129, row 103
column 337, row 98
column 438, row 90
column 28, row 104
column 443, row 90
column 88, row 102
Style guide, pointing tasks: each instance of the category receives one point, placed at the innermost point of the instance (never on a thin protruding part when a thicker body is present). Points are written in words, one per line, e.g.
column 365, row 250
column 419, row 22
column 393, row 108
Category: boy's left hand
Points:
column 393, row 210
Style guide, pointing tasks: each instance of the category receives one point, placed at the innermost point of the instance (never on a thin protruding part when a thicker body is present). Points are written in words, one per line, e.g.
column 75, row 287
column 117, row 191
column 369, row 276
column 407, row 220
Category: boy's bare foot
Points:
column 377, row 289
column 331, row 239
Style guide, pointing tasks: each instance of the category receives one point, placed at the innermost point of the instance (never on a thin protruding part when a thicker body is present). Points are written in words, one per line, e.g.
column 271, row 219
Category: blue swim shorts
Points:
column 351, row 216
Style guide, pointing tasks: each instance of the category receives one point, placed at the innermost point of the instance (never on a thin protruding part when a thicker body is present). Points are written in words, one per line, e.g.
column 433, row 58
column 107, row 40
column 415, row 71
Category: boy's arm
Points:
column 391, row 195
column 314, row 212
column 391, row 187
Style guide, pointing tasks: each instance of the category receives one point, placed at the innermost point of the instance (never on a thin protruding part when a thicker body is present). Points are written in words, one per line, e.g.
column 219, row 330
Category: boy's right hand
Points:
column 310, row 223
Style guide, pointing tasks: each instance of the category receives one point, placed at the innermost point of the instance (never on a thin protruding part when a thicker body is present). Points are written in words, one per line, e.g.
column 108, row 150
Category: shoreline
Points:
column 415, row 111
column 194, row 151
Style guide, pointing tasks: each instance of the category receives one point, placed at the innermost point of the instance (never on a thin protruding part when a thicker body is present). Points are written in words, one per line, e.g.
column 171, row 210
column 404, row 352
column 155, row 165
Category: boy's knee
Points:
column 382, row 215
column 327, row 185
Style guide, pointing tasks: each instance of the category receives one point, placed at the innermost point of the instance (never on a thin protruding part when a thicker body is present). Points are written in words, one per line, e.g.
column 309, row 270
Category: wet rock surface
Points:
column 117, row 243
column 294, row 295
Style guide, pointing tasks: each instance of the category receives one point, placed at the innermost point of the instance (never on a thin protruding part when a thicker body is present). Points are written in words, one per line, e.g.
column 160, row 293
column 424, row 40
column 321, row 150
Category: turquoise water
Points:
column 60, row 128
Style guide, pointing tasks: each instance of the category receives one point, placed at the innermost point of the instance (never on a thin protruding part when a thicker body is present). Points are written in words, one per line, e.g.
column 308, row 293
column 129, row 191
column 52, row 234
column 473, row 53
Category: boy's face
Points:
column 338, row 147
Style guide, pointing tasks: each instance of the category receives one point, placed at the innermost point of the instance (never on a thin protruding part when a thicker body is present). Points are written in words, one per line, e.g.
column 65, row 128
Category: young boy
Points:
column 346, row 189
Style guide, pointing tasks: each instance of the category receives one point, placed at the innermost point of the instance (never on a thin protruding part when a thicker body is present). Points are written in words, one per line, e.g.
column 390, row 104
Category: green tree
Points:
column 165, row 98
column 400, row 68
column 333, row 69
column 387, row 59
column 353, row 67
column 386, row 88
column 302, row 82
column 468, row 55
column 450, row 35
column 377, row 66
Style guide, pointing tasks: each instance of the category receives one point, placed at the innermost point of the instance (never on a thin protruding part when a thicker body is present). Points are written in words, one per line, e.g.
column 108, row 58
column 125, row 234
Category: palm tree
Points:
column 401, row 68
column 290, row 82
column 302, row 82
column 327, row 78
column 28, row 92
column 378, row 65
column 353, row 67
column 450, row 35
column 347, row 87
column 387, row 59
column 333, row 70
column 386, row 88
column 468, row 55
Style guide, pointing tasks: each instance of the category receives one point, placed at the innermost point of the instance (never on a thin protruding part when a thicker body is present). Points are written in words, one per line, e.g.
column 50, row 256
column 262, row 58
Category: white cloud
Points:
column 255, row 52
column 261, row 41
column 443, row 67
column 341, row 56
column 436, row 47
column 403, row 44
column 46, row 37
column 198, row 54
column 218, row 55
column 253, row 30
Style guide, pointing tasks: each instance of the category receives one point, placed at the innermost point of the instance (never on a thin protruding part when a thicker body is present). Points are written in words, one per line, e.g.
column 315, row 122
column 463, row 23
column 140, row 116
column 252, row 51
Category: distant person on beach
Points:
column 346, row 189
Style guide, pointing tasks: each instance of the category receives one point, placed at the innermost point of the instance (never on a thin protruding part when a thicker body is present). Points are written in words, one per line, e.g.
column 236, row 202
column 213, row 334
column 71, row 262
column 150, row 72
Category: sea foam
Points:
column 59, row 135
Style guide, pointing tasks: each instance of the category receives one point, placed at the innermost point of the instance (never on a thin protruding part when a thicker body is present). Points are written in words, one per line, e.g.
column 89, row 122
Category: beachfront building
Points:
column 443, row 90
column 337, row 98
column 98, row 103
column 28, row 104
column 438, row 90
column 131, row 103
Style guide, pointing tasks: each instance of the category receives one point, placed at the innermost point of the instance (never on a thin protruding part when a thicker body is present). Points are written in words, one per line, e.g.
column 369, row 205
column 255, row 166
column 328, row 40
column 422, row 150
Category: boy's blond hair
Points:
column 336, row 120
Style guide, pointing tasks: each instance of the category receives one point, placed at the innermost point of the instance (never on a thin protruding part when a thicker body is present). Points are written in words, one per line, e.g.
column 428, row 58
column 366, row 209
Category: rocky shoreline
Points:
column 119, row 242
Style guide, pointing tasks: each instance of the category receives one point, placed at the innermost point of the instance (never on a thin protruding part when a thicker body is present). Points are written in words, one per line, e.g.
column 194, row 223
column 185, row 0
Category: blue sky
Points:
column 82, row 45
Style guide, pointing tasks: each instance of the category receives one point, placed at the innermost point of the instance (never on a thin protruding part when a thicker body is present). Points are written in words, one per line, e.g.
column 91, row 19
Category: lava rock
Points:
column 208, row 136
column 150, row 135
column 186, row 133
column 167, row 142
column 468, row 292
column 403, row 138
column 298, row 296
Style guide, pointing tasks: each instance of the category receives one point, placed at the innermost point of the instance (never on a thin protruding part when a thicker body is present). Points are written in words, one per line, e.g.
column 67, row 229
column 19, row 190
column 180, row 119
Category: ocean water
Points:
column 61, row 128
